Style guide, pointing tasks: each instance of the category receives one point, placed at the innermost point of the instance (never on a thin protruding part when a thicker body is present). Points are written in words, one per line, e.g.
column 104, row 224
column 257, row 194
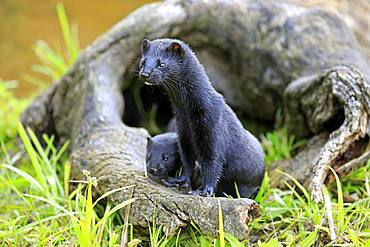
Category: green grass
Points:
column 48, row 213
column 278, row 145
column 39, row 208
column 10, row 109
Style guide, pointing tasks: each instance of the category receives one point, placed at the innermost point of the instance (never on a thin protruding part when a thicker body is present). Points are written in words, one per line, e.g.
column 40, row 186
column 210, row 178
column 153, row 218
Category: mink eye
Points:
column 142, row 63
column 164, row 157
column 159, row 64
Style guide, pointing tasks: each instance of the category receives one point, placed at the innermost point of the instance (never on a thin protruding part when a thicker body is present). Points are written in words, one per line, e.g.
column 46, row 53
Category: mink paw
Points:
column 181, row 181
column 206, row 192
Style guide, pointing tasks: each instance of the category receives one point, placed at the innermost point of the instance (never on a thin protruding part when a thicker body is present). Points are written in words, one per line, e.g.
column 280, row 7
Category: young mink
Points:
column 162, row 156
column 209, row 131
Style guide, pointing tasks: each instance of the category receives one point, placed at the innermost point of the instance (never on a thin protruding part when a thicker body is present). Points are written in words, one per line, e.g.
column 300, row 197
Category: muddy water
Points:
column 22, row 22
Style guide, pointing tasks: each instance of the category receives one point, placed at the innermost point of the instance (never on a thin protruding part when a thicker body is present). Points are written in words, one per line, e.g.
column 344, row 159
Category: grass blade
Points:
column 67, row 34
column 329, row 213
column 221, row 225
column 54, row 204
column 67, row 174
column 341, row 212
column 111, row 192
column 25, row 175
column 33, row 157
column 114, row 209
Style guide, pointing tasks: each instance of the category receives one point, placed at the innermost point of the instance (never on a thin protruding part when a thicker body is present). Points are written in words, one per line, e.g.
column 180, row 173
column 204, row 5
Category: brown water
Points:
column 22, row 22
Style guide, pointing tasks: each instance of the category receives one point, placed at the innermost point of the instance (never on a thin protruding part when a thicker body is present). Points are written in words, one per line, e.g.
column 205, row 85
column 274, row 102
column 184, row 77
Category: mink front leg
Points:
column 211, row 172
column 187, row 165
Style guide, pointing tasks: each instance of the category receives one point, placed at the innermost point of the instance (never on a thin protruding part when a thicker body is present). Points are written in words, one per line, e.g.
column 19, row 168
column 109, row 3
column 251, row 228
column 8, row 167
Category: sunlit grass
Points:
column 10, row 110
column 278, row 145
column 294, row 220
column 45, row 208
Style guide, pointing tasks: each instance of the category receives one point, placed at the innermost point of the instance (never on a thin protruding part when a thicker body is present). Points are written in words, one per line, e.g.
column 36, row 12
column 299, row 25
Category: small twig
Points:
column 124, row 238
column 355, row 163
column 318, row 240
column 329, row 214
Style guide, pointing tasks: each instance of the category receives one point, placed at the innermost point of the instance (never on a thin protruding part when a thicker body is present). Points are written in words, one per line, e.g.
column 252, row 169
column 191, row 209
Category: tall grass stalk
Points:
column 54, row 63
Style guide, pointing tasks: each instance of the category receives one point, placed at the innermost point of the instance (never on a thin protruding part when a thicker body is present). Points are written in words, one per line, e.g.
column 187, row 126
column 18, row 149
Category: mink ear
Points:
column 176, row 49
column 149, row 140
column 144, row 45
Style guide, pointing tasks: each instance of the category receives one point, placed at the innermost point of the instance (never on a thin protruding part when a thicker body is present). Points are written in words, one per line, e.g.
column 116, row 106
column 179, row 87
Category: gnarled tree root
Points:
column 341, row 89
column 349, row 87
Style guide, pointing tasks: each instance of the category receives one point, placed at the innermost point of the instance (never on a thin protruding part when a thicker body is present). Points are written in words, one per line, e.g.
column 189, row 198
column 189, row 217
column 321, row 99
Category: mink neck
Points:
column 191, row 89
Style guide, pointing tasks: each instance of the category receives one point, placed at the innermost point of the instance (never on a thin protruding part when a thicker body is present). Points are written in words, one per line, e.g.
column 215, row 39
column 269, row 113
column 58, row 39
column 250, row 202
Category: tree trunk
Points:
column 261, row 55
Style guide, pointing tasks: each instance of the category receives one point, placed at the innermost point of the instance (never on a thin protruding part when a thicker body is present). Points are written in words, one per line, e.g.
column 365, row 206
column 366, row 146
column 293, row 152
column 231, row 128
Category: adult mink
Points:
column 209, row 131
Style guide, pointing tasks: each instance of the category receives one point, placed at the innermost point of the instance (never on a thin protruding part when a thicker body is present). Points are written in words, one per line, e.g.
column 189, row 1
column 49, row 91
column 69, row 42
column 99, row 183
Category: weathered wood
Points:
column 342, row 87
column 354, row 13
column 261, row 55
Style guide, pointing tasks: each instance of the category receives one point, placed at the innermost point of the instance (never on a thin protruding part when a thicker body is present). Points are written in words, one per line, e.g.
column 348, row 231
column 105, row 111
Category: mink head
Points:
column 161, row 60
column 162, row 158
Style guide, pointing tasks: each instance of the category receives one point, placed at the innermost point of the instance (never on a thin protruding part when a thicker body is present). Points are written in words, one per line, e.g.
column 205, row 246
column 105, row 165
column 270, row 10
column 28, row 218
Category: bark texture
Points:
column 260, row 54
column 354, row 13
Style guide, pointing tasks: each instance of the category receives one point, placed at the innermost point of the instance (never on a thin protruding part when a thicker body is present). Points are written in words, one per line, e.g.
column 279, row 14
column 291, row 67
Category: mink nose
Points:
column 145, row 75
column 152, row 170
